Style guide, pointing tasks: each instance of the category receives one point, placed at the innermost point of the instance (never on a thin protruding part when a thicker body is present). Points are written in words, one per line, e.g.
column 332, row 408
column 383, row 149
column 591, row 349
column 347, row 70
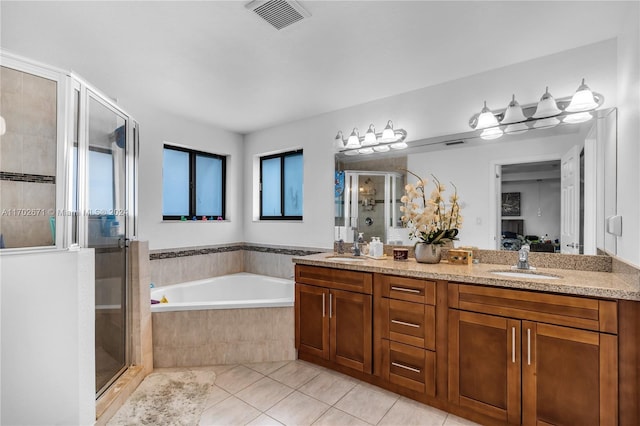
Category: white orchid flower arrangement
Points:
column 431, row 220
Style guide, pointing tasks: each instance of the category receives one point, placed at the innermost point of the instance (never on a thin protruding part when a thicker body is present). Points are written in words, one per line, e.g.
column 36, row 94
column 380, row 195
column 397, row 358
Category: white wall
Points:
column 628, row 92
column 432, row 111
column 158, row 127
column 48, row 357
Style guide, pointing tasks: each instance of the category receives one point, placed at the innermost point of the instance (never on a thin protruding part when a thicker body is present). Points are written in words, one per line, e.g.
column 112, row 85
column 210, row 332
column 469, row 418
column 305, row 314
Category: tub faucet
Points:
column 523, row 258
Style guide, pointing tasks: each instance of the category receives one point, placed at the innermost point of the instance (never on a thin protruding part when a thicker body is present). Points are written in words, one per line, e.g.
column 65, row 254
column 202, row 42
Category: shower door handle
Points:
column 123, row 242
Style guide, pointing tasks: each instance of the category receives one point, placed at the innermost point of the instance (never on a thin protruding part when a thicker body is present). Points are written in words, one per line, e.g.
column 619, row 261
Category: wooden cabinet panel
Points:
column 409, row 289
column 350, row 335
column 360, row 282
column 484, row 364
column 407, row 322
column 569, row 376
column 312, row 320
column 410, row 367
column 571, row 311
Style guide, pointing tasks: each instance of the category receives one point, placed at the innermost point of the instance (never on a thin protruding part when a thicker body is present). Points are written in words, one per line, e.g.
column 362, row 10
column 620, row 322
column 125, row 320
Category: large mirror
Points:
column 552, row 188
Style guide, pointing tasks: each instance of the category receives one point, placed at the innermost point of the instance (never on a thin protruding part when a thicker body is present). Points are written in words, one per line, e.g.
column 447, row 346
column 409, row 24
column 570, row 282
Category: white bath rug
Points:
column 167, row 398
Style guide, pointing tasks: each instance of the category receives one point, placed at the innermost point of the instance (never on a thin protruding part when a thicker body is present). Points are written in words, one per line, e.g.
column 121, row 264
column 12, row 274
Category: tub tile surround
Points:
column 172, row 266
column 223, row 336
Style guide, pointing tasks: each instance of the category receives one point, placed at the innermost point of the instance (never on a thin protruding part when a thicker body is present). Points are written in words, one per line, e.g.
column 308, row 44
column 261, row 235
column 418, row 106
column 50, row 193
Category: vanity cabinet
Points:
column 333, row 316
column 405, row 320
column 531, row 358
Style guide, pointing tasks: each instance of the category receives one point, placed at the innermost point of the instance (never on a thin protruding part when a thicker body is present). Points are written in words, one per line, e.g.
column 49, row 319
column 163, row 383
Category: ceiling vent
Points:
column 278, row 13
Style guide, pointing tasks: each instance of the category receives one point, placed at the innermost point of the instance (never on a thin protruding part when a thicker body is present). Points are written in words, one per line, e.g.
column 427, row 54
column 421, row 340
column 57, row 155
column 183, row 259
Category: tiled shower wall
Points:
column 27, row 158
column 181, row 265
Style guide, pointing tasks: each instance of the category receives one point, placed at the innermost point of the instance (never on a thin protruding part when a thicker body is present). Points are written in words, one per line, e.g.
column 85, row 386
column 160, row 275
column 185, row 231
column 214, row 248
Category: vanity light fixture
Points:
column 547, row 107
column 582, row 100
column 370, row 136
column 514, row 117
column 354, row 139
column 548, row 112
column 371, row 142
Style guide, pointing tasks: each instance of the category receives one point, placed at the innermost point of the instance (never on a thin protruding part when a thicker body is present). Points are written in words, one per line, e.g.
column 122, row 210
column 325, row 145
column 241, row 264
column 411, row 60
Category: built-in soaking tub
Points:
column 238, row 318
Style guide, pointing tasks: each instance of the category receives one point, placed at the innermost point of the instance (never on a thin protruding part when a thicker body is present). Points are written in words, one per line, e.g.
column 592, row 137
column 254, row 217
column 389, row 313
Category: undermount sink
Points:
column 525, row 274
column 345, row 258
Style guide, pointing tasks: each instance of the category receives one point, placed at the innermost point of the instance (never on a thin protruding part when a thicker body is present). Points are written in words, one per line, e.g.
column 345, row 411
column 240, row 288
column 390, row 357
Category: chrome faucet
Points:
column 523, row 258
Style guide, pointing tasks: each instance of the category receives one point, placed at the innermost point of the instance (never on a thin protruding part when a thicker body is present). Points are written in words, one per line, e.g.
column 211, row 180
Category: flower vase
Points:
column 428, row 253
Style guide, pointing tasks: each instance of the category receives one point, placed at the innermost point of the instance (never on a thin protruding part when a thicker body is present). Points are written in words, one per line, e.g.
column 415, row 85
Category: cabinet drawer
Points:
column 409, row 289
column 408, row 322
column 409, row 367
column 356, row 281
column 572, row 311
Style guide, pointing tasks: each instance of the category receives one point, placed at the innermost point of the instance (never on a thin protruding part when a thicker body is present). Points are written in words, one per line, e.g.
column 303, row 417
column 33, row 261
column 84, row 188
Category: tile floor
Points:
column 301, row 393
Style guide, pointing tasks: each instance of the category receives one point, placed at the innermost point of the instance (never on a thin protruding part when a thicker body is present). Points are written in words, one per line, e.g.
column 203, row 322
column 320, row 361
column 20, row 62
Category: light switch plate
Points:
column 614, row 225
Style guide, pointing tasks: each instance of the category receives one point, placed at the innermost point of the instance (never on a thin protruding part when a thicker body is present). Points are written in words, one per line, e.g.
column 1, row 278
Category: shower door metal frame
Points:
column 88, row 92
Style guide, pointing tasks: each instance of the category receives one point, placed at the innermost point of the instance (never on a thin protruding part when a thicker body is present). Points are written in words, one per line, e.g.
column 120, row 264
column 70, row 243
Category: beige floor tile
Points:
column 264, row 420
column 237, row 378
column 407, row 412
column 264, row 393
column 333, row 417
column 458, row 421
column 267, row 368
column 297, row 409
column 367, row 403
column 216, row 395
column 295, row 374
column 231, row 411
column 326, row 387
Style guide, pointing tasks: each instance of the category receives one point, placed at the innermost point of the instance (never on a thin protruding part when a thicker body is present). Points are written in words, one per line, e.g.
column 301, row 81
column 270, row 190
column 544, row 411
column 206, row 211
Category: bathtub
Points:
column 242, row 290
column 232, row 319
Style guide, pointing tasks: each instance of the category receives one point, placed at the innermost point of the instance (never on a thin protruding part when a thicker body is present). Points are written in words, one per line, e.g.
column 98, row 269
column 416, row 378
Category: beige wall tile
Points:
column 39, row 155
column 11, row 152
column 11, row 197
column 36, row 231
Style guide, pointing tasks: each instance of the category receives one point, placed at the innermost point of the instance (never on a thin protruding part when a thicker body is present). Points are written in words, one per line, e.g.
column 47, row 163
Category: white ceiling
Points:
column 218, row 63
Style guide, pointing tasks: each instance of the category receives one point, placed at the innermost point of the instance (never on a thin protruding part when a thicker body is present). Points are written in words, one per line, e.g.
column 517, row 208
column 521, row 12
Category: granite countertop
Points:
column 572, row 282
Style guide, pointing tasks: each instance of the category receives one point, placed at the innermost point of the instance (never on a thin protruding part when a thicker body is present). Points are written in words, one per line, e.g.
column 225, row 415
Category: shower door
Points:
column 107, row 199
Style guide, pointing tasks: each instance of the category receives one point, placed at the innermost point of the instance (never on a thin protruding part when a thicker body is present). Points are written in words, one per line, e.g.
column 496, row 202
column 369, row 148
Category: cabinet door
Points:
column 350, row 333
column 312, row 320
column 569, row 376
column 484, row 364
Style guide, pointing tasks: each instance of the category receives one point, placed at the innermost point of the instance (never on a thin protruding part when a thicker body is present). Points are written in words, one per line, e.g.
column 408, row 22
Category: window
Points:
column 193, row 184
column 281, row 186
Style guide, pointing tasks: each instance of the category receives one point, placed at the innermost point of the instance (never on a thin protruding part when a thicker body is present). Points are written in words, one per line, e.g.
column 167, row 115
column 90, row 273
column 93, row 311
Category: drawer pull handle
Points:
column 408, row 324
column 406, row 367
column 323, row 310
column 406, row 290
